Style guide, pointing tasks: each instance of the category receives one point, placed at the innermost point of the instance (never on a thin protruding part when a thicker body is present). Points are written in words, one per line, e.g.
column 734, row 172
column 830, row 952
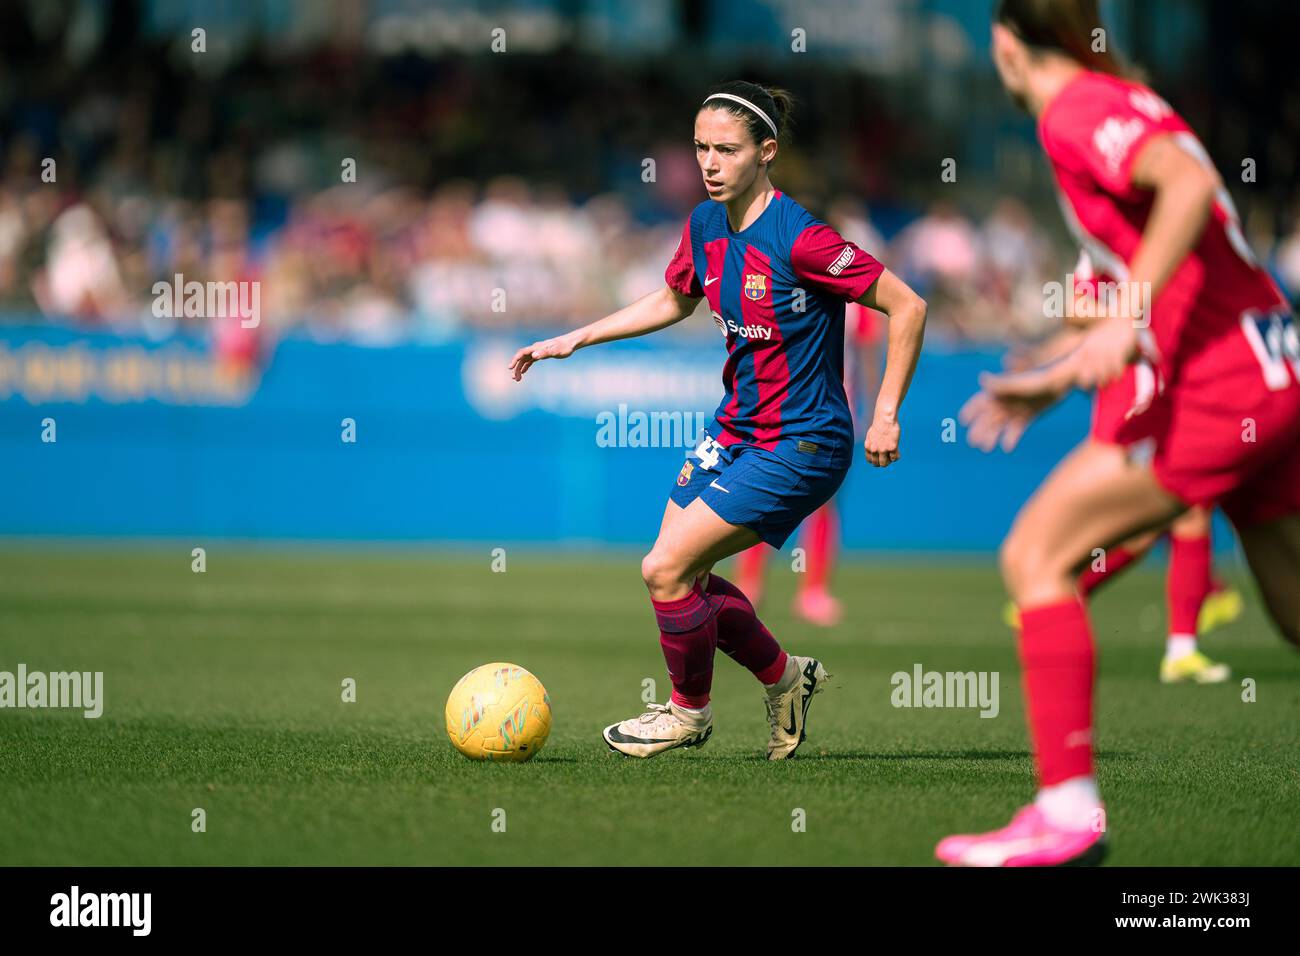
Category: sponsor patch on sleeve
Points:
column 842, row 261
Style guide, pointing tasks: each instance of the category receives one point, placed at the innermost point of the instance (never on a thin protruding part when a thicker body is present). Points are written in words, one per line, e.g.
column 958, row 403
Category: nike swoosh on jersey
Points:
column 714, row 484
column 709, row 281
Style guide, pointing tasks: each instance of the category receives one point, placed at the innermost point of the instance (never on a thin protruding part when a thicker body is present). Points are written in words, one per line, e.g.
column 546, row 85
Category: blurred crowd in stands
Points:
column 447, row 226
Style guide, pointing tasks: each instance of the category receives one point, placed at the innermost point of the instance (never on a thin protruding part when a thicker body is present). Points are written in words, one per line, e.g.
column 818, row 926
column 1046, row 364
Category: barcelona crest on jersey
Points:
column 755, row 285
column 684, row 478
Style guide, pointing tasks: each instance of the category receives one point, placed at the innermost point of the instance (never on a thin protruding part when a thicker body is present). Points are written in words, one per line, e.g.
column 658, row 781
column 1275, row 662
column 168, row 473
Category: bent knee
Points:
column 652, row 568
column 1016, row 563
column 662, row 571
column 1030, row 571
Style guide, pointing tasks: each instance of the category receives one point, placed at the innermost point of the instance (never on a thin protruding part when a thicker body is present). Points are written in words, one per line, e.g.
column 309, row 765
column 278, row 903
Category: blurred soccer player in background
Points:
column 1196, row 601
column 1216, row 398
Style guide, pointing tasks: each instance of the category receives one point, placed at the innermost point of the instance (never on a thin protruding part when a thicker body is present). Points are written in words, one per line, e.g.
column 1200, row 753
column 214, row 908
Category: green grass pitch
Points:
column 223, row 692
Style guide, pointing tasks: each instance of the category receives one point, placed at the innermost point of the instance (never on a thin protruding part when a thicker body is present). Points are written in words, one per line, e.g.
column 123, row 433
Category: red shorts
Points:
column 1117, row 408
column 1110, row 406
column 1216, row 449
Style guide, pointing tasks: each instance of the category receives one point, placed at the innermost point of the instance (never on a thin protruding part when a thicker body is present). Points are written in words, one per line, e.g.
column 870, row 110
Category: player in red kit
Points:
column 1216, row 412
column 776, row 281
column 1197, row 602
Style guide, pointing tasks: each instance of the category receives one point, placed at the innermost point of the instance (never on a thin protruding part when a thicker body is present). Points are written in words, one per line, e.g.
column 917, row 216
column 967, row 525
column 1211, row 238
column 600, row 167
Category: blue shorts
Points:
column 750, row 486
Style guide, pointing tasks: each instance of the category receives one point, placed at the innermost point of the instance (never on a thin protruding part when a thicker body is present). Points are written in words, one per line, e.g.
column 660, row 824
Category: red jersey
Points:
column 1220, row 398
column 1203, row 321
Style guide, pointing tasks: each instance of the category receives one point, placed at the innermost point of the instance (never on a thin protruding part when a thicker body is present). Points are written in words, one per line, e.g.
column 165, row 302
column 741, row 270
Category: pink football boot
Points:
column 1030, row 839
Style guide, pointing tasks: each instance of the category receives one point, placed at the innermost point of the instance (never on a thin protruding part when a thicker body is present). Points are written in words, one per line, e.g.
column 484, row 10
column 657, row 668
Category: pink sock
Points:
column 1056, row 653
column 1188, row 582
column 820, row 532
column 688, row 634
column 742, row 636
column 749, row 570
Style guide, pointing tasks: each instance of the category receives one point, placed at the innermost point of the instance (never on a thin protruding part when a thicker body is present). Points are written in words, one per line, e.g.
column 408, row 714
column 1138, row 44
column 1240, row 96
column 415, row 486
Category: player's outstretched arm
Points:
column 1006, row 404
column 1185, row 187
column 650, row 313
column 906, row 310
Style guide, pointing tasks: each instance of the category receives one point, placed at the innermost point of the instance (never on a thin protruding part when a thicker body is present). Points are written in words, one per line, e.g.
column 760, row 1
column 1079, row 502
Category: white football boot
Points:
column 787, row 713
column 662, row 727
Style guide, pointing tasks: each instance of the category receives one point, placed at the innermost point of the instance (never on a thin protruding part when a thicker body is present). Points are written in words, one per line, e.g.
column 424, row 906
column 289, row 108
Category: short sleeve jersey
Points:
column 777, row 290
column 1210, row 323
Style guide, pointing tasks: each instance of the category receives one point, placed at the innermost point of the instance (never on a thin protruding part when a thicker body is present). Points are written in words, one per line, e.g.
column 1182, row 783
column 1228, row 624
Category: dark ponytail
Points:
column 778, row 104
column 1067, row 27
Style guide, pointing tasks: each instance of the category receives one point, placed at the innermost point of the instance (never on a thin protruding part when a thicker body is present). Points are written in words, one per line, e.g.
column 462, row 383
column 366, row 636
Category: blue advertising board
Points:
column 109, row 435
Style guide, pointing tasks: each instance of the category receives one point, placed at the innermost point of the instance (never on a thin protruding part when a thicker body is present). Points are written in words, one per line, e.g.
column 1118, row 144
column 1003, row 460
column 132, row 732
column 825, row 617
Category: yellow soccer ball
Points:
column 498, row 712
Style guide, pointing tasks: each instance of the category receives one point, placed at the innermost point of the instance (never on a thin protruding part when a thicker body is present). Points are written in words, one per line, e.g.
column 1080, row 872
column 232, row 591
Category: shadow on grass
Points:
column 917, row 755
column 930, row 755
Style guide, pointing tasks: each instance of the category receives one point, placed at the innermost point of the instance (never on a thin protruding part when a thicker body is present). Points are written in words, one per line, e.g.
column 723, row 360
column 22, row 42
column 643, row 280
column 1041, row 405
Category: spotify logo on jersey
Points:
column 744, row 331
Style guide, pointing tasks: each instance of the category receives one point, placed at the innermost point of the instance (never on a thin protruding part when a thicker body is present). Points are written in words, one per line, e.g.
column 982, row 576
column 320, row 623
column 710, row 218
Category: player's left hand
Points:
column 881, row 445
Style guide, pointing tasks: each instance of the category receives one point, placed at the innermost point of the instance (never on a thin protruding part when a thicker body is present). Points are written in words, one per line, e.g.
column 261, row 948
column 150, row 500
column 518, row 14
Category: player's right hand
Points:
column 1104, row 352
column 561, row 346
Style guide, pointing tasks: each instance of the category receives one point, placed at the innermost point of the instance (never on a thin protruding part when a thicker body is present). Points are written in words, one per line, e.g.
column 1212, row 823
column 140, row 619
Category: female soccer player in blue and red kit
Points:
column 776, row 280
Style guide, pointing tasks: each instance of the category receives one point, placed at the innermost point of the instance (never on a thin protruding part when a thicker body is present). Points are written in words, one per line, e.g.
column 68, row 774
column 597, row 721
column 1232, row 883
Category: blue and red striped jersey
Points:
column 777, row 290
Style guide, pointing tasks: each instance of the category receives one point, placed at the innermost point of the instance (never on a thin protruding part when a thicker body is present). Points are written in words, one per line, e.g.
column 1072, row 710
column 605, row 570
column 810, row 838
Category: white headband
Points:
column 744, row 102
